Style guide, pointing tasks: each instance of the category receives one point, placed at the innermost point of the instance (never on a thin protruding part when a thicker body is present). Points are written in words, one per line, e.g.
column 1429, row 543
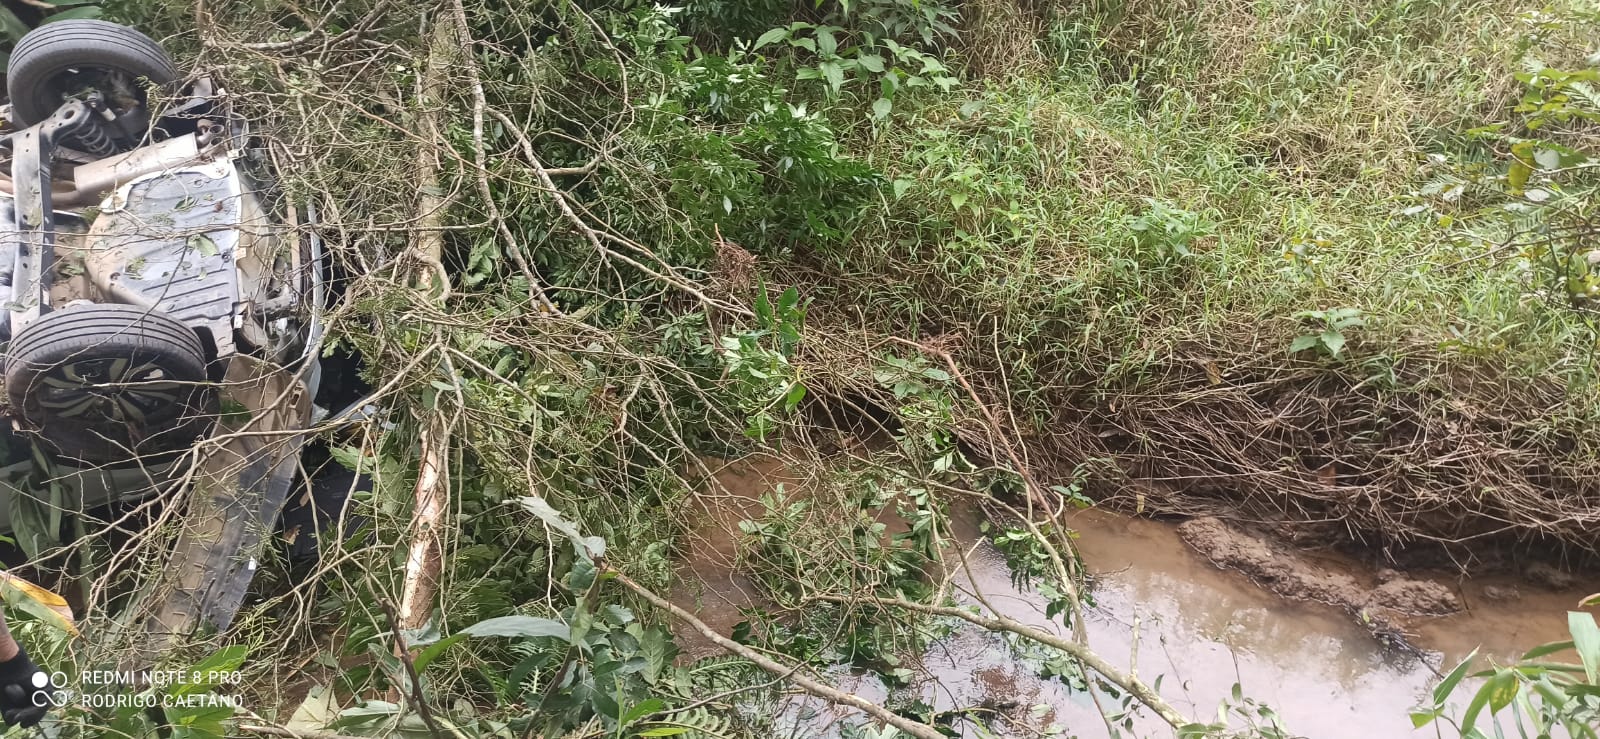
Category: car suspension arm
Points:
column 33, row 152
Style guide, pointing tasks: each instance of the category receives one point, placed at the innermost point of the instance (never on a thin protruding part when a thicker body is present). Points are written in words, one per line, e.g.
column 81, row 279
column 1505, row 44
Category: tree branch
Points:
column 1078, row 651
column 832, row 695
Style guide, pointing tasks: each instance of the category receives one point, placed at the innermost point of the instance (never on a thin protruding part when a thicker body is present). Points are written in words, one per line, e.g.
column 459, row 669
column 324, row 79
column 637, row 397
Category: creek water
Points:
column 1161, row 611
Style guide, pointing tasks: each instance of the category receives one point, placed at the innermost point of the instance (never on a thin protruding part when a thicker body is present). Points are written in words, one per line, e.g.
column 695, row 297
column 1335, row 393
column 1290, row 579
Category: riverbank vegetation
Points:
column 1328, row 267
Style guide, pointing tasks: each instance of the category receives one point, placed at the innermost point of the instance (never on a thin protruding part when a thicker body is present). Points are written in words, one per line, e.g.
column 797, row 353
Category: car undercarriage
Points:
column 164, row 314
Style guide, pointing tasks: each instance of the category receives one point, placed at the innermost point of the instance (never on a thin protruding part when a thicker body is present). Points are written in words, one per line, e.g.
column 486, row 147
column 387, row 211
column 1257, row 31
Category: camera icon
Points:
column 49, row 690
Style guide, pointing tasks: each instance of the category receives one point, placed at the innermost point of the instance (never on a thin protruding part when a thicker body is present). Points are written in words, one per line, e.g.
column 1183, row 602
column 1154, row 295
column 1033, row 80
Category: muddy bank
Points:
column 1384, row 600
column 1163, row 610
column 1431, row 459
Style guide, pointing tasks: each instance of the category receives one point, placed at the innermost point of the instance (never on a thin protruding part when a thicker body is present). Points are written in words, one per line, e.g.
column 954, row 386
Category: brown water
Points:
column 1161, row 611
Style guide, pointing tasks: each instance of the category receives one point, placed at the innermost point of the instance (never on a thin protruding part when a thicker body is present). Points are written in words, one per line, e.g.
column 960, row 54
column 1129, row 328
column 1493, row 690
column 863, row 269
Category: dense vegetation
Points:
column 1330, row 264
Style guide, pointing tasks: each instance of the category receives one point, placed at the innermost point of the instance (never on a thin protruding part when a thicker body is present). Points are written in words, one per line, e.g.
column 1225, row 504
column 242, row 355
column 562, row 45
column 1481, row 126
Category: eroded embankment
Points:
column 1431, row 463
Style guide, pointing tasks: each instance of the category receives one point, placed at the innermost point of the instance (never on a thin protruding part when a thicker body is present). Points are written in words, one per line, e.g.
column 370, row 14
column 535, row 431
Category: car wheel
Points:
column 58, row 61
column 106, row 383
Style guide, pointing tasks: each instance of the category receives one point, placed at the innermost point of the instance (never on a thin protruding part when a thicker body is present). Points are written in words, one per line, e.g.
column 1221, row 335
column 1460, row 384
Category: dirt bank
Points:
column 1383, row 600
column 1468, row 468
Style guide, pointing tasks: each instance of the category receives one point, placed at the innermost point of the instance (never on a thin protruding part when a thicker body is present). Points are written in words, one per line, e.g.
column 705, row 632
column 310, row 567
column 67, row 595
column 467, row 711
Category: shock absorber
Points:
column 90, row 135
column 89, row 131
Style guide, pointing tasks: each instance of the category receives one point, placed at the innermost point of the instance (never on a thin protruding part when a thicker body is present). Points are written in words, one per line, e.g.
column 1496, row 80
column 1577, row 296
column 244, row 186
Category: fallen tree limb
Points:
column 832, row 695
column 1065, row 575
column 480, row 104
column 425, row 557
column 1078, row 651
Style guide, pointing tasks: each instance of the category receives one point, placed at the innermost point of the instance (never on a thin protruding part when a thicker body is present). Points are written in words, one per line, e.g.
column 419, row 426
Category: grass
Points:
column 1117, row 225
column 1049, row 173
column 1179, row 191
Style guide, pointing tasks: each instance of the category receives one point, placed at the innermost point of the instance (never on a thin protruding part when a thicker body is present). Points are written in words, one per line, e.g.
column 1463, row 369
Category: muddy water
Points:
column 1161, row 611
column 1206, row 629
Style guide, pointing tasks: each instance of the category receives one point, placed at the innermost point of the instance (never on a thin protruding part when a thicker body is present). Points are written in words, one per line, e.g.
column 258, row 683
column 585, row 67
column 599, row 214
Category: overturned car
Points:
column 163, row 308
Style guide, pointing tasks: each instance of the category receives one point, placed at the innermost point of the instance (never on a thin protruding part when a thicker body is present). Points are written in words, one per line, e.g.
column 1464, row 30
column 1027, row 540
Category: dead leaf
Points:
column 38, row 602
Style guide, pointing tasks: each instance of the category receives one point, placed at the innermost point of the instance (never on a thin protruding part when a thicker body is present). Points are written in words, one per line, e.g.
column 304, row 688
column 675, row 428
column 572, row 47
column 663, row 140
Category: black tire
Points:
column 108, row 383
column 41, row 72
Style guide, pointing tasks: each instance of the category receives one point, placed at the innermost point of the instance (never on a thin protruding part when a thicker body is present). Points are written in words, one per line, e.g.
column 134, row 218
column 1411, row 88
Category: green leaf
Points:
column 764, row 306
column 833, row 73
column 364, row 713
column 432, row 652
column 644, row 708
column 1544, row 650
column 770, row 37
column 35, row 516
column 1492, row 689
column 1420, row 719
column 1502, row 690
column 1590, row 602
column 527, row 627
column 1586, row 638
column 1302, row 343
column 1333, row 340
column 871, row 62
column 86, row 11
column 903, row 184
column 664, row 731
column 1448, row 684
column 827, row 44
column 792, row 399
column 225, row 660
column 881, row 108
column 14, row 28
column 1517, row 175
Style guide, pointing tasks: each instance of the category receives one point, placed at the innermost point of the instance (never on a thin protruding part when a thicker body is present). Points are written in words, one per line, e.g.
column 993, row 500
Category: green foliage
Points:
column 1163, row 233
column 872, row 62
column 765, row 382
column 732, row 149
column 1537, row 214
column 1544, row 695
column 15, row 21
column 926, row 409
column 1328, row 336
column 1076, row 231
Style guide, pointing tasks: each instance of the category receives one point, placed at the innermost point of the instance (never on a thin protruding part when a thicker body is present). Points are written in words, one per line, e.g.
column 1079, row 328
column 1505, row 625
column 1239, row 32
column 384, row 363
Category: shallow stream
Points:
column 1161, row 610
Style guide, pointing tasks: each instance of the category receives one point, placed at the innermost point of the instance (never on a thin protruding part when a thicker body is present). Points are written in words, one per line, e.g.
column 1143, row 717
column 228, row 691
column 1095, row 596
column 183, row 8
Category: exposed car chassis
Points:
column 164, row 311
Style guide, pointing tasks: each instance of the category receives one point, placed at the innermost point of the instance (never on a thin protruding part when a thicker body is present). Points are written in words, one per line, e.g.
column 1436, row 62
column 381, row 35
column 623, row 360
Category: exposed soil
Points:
column 1292, row 574
column 1224, row 428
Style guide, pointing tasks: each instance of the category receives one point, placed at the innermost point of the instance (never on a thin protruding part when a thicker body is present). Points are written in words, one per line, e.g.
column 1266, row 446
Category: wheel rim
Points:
column 118, row 390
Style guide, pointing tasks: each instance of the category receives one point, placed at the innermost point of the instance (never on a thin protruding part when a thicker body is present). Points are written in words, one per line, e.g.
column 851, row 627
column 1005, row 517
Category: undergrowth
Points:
column 1327, row 263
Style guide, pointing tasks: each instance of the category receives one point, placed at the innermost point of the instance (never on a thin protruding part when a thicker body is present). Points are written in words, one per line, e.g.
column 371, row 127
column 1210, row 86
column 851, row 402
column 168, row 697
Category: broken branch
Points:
column 1078, row 651
column 832, row 695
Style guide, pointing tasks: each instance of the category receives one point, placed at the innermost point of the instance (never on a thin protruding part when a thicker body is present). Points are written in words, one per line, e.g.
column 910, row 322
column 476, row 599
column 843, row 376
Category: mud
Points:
column 1163, row 610
column 1549, row 576
column 1383, row 599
